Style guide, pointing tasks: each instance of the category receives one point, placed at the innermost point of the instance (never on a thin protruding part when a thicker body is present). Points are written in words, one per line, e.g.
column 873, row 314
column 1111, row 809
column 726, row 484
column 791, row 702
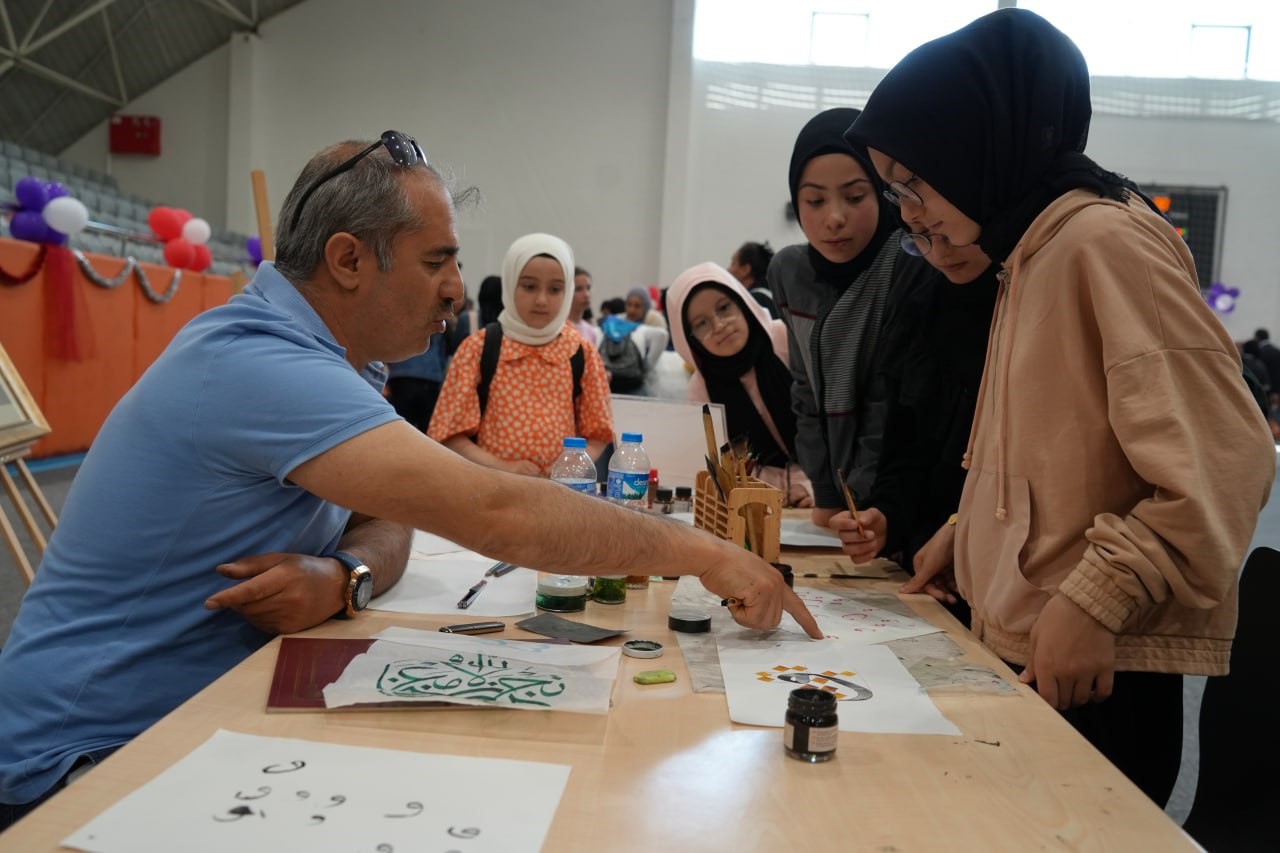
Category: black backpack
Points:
column 624, row 362
column 489, row 364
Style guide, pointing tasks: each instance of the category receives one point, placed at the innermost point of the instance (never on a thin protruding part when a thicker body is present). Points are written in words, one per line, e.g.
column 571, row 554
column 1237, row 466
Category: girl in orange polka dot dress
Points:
column 531, row 407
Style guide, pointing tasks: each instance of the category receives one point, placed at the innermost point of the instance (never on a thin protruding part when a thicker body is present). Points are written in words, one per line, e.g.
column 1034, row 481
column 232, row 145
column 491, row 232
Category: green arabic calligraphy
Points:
column 478, row 676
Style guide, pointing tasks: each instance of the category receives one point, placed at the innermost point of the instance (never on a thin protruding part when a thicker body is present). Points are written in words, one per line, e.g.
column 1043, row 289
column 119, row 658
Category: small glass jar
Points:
column 663, row 503
column 812, row 729
column 610, row 589
column 683, row 500
column 561, row 593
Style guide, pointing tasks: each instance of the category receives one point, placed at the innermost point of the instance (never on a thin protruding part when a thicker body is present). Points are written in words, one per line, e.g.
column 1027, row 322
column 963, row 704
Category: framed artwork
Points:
column 21, row 422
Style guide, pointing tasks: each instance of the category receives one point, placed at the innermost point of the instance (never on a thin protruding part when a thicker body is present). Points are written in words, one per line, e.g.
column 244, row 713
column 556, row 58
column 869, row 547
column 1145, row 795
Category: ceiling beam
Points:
column 35, row 25
column 226, row 10
column 67, row 82
column 9, row 36
column 70, row 23
column 115, row 57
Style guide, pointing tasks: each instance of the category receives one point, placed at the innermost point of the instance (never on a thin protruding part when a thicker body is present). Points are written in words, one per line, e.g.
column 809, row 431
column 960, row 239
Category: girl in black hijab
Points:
column 1093, row 543
column 835, row 294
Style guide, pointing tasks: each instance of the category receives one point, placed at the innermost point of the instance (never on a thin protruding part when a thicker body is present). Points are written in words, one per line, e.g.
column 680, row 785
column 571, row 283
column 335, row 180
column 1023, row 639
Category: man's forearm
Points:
column 382, row 545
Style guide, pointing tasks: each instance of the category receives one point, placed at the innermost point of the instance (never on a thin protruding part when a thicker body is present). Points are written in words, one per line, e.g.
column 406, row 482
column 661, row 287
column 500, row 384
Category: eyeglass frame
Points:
column 395, row 143
column 717, row 319
column 896, row 191
column 909, row 243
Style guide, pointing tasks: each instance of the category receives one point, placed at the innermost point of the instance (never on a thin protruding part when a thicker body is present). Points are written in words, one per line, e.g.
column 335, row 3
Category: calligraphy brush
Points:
column 848, row 499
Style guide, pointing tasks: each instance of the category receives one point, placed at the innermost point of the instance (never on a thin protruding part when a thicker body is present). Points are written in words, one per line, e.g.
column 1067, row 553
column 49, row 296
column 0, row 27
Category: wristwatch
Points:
column 359, row 582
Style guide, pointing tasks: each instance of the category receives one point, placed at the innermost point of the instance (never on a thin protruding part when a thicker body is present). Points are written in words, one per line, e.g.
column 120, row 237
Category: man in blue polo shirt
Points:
column 255, row 482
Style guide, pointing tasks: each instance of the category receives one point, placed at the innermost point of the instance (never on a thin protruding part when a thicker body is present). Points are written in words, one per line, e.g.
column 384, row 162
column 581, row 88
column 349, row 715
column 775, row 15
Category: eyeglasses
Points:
column 921, row 244
column 898, row 190
column 404, row 150
column 724, row 312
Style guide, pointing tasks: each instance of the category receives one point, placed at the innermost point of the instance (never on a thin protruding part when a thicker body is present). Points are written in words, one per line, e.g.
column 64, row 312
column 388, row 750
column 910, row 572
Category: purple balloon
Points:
column 31, row 194
column 254, row 247
column 28, row 225
column 53, row 190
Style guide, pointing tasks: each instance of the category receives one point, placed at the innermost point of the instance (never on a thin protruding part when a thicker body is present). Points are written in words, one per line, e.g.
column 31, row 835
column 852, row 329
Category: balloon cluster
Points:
column 46, row 213
column 184, row 236
column 253, row 246
column 1222, row 298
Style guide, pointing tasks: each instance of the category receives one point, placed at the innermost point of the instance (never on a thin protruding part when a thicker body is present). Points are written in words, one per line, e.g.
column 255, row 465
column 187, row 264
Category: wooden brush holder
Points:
column 727, row 519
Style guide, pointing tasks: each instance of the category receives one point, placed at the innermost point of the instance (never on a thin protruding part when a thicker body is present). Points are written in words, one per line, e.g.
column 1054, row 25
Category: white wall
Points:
column 587, row 118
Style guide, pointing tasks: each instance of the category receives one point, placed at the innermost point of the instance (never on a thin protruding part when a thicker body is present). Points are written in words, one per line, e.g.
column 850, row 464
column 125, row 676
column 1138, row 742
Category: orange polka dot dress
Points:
column 531, row 409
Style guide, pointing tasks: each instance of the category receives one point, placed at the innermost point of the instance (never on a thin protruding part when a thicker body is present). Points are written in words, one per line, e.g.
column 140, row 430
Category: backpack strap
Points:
column 489, row 365
column 489, row 362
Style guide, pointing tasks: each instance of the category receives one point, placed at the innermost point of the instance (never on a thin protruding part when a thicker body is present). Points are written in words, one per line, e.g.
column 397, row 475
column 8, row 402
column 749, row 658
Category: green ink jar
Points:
column 561, row 593
column 610, row 589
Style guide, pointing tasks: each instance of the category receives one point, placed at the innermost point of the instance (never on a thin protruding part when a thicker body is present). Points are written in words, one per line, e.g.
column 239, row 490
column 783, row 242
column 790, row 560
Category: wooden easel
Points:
column 37, row 534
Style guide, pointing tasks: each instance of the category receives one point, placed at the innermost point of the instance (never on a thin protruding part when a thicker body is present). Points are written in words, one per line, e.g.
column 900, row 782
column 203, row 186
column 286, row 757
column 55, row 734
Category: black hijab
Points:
column 722, row 375
column 824, row 134
column 994, row 117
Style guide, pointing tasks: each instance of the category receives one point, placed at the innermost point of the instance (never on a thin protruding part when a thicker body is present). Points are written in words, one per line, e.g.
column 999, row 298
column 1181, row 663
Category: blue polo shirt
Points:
column 189, row 471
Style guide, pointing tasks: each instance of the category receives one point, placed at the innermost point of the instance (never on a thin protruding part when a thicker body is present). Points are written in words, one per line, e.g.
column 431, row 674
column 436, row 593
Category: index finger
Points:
column 793, row 605
column 245, row 592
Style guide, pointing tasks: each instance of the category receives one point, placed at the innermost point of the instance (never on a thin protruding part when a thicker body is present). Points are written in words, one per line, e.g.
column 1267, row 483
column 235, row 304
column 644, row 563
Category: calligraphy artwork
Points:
column 478, row 671
column 243, row 792
column 874, row 692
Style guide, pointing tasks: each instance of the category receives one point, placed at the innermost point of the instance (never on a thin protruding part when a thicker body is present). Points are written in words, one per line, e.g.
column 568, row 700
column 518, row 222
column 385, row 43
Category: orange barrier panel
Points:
column 127, row 332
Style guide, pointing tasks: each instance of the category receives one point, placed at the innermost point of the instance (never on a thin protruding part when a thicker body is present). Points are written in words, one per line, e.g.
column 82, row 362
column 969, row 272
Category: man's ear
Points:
column 347, row 260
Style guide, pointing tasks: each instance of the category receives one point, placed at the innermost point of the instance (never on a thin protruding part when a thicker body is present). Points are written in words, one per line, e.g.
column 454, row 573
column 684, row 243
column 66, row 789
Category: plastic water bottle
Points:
column 629, row 472
column 574, row 468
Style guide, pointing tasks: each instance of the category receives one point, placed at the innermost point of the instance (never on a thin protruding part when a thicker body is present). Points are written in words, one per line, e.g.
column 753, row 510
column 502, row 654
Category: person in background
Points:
column 941, row 336
column 413, row 385
column 489, row 300
column 615, row 307
column 202, row 522
column 739, row 357
column 1117, row 463
column 533, row 398
column 750, row 265
column 639, row 309
column 835, row 294
column 1269, row 354
column 580, row 307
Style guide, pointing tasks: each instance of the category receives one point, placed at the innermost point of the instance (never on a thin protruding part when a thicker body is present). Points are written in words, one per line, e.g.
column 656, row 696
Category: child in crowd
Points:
column 740, row 357
column 536, row 395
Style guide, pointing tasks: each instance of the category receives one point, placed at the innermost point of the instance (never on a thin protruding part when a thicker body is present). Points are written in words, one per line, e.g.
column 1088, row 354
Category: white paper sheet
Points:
column 437, row 584
column 674, row 437
column 874, row 692
column 428, row 544
column 477, row 671
column 803, row 533
column 241, row 792
column 840, row 615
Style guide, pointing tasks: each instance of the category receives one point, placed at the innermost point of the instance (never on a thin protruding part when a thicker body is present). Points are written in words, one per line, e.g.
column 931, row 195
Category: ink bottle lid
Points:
column 689, row 620
column 642, row 649
column 812, row 728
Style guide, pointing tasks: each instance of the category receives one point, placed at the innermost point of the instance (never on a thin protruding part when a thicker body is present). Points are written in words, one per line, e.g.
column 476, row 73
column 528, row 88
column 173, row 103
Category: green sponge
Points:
column 654, row 676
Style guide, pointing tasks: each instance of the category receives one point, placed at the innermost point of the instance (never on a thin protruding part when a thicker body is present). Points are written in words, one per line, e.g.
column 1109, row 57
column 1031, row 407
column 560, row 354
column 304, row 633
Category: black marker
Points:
column 474, row 628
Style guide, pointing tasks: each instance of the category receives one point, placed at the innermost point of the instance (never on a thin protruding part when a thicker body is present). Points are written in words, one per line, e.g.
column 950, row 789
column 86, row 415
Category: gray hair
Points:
column 367, row 201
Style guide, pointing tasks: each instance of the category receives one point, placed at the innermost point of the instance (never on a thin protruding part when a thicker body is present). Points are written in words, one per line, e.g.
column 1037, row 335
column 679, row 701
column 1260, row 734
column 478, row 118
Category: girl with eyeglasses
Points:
column 739, row 357
column 835, row 293
column 1117, row 463
column 535, row 396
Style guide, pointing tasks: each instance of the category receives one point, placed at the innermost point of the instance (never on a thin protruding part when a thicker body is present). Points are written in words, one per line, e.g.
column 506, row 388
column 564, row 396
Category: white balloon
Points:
column 196, row 231
column 66, row 215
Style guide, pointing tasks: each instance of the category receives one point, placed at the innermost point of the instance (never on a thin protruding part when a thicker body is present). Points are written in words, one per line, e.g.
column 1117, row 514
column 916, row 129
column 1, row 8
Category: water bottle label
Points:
column 628, row 485
column 587, row 485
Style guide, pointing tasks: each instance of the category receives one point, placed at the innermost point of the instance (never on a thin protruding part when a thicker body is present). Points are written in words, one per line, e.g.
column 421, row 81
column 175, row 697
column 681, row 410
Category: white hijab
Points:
column 520, row 253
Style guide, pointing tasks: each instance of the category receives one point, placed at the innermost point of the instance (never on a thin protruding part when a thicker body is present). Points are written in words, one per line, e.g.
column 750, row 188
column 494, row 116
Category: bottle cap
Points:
column 642, row 649
column 633, row 436
column 562, row 585
column 664, row 493
column 810, row 699
column 684, row 492
column 689, row 620
column 574, row 441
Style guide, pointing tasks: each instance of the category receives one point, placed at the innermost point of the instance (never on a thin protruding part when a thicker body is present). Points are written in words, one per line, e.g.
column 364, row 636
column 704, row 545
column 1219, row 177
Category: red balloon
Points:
column 184, row 216
column 165, row 222
column 179, row 253
column 201, row 257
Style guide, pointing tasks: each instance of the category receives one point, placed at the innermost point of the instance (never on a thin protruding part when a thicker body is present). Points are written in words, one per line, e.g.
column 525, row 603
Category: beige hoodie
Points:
column 1116, row 455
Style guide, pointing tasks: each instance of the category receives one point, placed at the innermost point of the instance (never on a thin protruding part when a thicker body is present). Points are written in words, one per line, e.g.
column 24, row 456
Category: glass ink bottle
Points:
column 812, row 729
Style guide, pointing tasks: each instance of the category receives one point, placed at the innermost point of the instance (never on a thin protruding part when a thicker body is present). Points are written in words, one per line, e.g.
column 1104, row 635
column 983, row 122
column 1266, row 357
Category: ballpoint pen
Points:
column 497, row 570
column 470, row 597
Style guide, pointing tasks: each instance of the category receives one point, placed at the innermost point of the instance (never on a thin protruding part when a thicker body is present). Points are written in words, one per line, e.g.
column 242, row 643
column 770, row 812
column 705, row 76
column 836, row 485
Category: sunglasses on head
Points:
column 404, row 151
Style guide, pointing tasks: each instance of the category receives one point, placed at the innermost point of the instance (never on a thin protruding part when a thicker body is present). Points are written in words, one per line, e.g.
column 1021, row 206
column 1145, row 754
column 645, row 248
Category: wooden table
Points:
column 665, row 770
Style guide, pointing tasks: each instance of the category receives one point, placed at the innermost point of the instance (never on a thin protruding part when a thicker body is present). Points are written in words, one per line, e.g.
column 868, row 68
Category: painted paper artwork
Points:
column 476, row 671
column 436, row 584
column 874, row 692
column 243, row 792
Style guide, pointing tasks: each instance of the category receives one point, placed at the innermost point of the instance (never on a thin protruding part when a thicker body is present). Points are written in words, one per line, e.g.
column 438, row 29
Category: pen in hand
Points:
column 848, row 499
column 469, row 599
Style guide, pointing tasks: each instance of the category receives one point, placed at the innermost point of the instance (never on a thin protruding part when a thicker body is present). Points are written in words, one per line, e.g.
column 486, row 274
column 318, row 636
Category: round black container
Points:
column 812, row 728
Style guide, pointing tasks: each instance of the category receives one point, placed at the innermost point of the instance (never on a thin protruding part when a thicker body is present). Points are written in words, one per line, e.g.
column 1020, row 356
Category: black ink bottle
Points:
column 812, row 730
